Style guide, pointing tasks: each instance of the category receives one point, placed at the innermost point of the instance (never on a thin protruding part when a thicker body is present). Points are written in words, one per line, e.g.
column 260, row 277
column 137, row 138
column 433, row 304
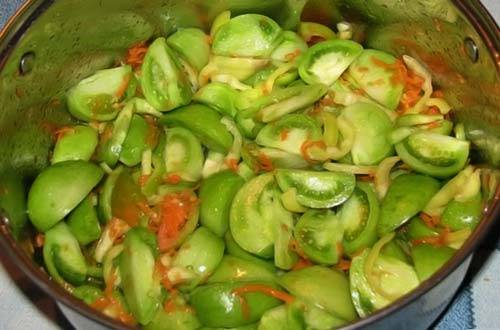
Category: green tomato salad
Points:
column 254, row 178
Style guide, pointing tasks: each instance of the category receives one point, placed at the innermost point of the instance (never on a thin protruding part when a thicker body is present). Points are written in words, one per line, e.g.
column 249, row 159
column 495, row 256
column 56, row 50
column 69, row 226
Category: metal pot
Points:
column 51, row 44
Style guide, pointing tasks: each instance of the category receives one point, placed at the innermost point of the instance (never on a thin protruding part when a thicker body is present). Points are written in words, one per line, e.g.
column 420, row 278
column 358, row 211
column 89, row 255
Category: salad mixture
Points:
column 254, row 178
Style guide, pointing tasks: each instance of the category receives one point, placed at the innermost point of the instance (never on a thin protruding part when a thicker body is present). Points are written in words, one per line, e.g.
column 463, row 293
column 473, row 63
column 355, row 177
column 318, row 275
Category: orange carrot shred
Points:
column 430, row 221
column 135, row 54
column 267, row 290
column 307, row 145
column 232, row 164
column 301, row 264
column 284, row 134
column 173, row 179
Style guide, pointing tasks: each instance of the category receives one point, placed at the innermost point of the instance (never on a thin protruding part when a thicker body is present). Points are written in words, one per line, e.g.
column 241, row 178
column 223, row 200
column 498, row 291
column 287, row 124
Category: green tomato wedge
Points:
column 325, row 62
column 291, row 47
column 460, row 215
column 88, row 293
column 78, row 143
column 296, row 128
column 407, row 196
column 62, row 256
column 359, row 216
column 417, row 229
column 236, row 67
column 179, row 319
column 372, row 128
column 428, row 259
column 311, row 31
column 193, row 45
column 183, row 154
column 135, row 142
column 111, row 143
column 96, row 98
column 249, row 35
column 84, row 223
column 200, row 254
column 396, row 279
column 218, row 96
column 233, row 249
column 216, row 195
column 319, row 234
column 58, row 189
column 317, row 190
column 164, row 85
column 204, row 123
column 234, row 269
column 434, row 154
column 136, row 265
column 250, row 229
column 13, row 202
column 282, row 318
column 317, row 285
column 219, row 305
column 376, row 72
column 104, row 209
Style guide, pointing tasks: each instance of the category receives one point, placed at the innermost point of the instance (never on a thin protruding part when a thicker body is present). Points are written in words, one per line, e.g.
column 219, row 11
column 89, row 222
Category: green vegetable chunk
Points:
column 407, row 195
column 204, row 123
column 13, row 201
column 179, row 319
column 326, row 61
column 319, row 235
column 459, row 215
column 183, row 154
column 98, row 97
column 428, row 259
column 58, row 189
column 317, row 285
column 136, row 142
column 220, row 97
column 249, row 35
column 87, row 293
column 62, row 256
column 317, row 189
column 291, row 47
column 192, row 44
column 76, row 143
column 221, row 305
column 84, row 223
column 233, row 249
column 234, row 269
column 164, row 85
column 377, row 72
column 216, row 195
column 136, row 265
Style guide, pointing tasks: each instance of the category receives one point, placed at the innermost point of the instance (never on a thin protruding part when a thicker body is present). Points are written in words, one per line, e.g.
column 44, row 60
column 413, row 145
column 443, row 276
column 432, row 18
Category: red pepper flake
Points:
column 430, row 221
column 135, row 54
column 173, row 179
column 307, row 145
column 301, row 264
column 267, row 290
column 284, row 134
column 232, row 164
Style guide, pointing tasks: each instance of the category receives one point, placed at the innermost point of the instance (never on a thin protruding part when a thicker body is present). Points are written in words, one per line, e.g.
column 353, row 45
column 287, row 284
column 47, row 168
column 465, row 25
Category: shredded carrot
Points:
column 175, row 211
column 63, row 131
column 284, row 134
column 153, row 132
column 430, row 221
column 39, row 240
column 135, row 54
column 301, row 264
column 123, row 86
column 440, row 240
column 143, row 180
column 265, row 163
column 232, row 164
column 343, row 264
column 173, row 179
column 267, row 290
column 307, row 145
column 294, row 246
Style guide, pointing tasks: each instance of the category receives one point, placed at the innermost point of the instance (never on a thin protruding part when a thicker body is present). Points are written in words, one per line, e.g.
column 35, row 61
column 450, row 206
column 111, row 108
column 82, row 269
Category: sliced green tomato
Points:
column 282, row 318
column 319, row 319
column 443, row 127
column 136, row 141
column 289, row 200
column 236, row 67
column 417, row 229
column 219, row 21
column 249, row 127
column 417, row 119
column 164, row 85
column 359, row 216
column 192, row 44
column 84, row 223
column 179, row 319
column 317, row 285
column 434, row 154
column 77, row 143
column 289, row 133
column 290, row 48
column 459, row 215
column 311, row 32
column 142, row 292
column 58, row 189
column 13, row 201
column 88, row 293
column 234, row 269
column 106, row 192
column 398, row 249
column 218, row 305
column 326, row 61
column 110, row 147
column 62, row 256
column 395, row 280
column 204, row 123
column 283, row 159
column 249, row 35
column 183, row 154
column 216, row 195
column 407, row 196
column 376, row 72
column 157, row 178
column 97, row 97
column 125, row 199
column 200, row 254
column 233, row 249
column 220, row 97
column 428, row 259
column 372, row 127
column 259, row 78
column 319, row 235
column 249, row 228
column 317, row 189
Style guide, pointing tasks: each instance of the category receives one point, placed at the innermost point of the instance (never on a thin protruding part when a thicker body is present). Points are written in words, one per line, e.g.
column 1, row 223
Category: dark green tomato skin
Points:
column 216, row 195
column 428, row 259
column 217, row 305
column 407, row 195
column 13, row 201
